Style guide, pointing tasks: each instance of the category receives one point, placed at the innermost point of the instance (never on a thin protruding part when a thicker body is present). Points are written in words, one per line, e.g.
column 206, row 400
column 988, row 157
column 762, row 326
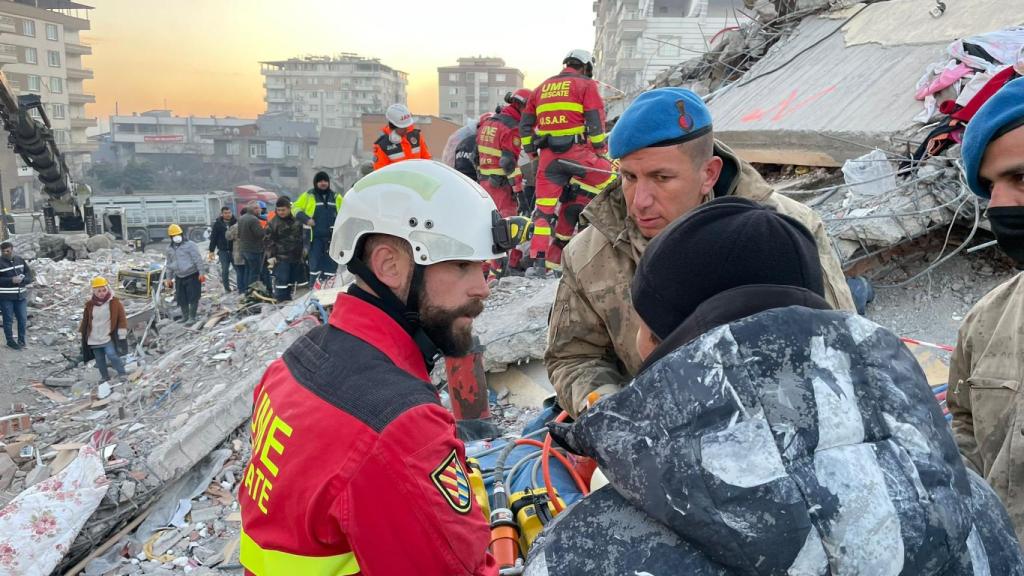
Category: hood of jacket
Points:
column 792, row 441
column 608, row 214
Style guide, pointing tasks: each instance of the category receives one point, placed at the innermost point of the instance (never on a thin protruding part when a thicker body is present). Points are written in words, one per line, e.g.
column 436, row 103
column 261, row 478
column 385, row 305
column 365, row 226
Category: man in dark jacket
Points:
column 766, row 433
column 15, row 276
column 284, row 249
column 466, row 158
column 318, row 208
column 250, row 240
column 220, row 243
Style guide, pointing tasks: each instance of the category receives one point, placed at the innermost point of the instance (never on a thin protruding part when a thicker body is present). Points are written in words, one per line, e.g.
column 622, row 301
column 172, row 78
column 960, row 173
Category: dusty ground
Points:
column 932, row 307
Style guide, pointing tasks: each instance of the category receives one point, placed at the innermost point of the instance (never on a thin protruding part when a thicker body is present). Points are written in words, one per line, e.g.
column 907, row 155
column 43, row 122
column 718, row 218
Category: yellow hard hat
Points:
column 174, row 230
column 99, row 282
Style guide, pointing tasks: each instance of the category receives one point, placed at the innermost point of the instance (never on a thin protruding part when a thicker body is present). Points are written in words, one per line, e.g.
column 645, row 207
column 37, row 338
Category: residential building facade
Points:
column 159, row 136
column 638, row 39
column 278, row 153
column 475, row 86
column 331, row 91
column 41, row 53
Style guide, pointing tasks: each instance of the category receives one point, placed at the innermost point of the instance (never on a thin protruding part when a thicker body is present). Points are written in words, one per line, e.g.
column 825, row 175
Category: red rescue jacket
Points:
column 355, row 466
column 498, row 146
column 564, row 107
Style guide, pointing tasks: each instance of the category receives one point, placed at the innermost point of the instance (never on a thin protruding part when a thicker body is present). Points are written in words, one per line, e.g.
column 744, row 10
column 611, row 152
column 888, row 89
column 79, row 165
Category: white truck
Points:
column 146, row 216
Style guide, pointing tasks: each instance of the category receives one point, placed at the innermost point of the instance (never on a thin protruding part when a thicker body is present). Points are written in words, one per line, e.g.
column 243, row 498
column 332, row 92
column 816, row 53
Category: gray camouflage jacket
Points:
column 794, row 441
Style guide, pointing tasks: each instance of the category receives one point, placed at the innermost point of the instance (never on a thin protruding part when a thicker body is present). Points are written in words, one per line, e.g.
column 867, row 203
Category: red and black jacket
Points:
column 355, row 466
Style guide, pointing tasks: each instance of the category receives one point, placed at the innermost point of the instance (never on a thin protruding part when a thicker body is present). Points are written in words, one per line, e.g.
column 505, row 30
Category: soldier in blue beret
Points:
column 670, row 163
column 987, row 367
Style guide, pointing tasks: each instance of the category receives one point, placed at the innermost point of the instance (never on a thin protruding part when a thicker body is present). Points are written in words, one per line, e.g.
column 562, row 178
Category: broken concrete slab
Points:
column 514, row 325
column 818, row 99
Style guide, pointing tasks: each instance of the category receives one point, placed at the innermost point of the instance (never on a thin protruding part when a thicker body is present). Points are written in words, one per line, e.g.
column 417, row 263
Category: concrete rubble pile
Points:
column 189, row 390
column 514, row 326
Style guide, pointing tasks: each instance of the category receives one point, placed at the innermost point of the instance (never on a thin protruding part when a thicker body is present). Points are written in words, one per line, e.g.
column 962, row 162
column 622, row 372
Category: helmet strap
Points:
column 406, row 314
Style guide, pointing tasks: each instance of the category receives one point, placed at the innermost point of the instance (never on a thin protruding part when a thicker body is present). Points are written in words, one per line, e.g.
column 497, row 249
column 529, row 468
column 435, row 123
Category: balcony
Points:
column 76, row 49
column 79, row 147
column 8, row 54
column 79, row 74
column 632, row 26
column 8, row 24
column 82, row 98
column 83, row 122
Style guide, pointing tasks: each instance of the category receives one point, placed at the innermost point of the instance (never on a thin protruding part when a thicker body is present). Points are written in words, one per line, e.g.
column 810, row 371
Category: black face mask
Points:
column 1008, row 226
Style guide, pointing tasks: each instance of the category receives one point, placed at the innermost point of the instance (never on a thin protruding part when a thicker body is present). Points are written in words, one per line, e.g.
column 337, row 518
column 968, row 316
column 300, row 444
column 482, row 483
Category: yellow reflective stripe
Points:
column 263, row 562
column 599, row 138
column 566, row 132
column 489, row 150
column 547, row 201
column 516, row 172
column 565, row 238
column 526, row 140
column 560, row 107
column 492, row 171
column 541, row 231
column 554, row 266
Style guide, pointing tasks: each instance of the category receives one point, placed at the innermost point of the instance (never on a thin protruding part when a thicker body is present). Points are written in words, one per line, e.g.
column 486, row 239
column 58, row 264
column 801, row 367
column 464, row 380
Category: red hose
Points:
column 545, row 458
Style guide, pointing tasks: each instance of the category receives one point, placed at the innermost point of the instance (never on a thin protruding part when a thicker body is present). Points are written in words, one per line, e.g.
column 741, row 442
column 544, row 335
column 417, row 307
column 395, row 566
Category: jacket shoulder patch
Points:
column 452, row 482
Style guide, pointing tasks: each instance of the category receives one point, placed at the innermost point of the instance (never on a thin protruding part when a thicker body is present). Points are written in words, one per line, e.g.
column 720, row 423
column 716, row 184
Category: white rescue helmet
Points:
column 399, row 115
column 441, row 213
column 583, row 56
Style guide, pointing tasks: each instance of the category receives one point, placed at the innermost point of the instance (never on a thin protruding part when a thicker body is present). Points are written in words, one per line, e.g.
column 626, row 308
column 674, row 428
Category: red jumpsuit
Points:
column 498, row 148
column 355, row 466
column 564, row 120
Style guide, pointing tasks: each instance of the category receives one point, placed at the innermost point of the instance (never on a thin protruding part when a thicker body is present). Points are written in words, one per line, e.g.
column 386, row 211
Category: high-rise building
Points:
column 475, row 86
column 331, row 91
column 41, row 53
column 638, row 39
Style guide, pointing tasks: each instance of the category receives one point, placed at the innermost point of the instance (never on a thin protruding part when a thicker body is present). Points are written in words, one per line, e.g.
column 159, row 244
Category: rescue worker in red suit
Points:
column 564, row 123
column 498, row 150
column 399, row 140
column 355, row 467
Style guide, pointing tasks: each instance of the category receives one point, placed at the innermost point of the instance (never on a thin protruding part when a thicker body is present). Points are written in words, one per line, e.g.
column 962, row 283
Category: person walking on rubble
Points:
column 236, row 254
column 563, row 122
column 318, row 208
column 767, row 433
column 104, row 330
column 186, row 272
column 670, row 164
column 987, row 367
column 251, row 236
column 284, row 249
column 356, row 468
column 220, row 243
column 15, row 276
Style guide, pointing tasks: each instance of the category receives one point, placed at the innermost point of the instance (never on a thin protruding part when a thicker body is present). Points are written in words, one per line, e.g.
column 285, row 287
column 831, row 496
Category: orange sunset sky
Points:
column 202, row 56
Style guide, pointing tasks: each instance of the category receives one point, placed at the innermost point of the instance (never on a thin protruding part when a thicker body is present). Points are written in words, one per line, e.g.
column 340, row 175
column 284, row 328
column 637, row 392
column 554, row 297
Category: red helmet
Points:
column 520, row 96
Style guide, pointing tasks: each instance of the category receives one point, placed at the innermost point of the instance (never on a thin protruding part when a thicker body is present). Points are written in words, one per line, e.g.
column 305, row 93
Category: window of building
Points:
column 232, row 149
column 453, row 91
column 28, row 27
column 57, row 111
column 126, row 128
column 257, row 149
column 53, row 58
column 312, row 151
column 291, row 149
column 61, row 136
column 499, row 77
column 453, row 105
column 33, row 83
column 56, row 85
column 331, row 108
column 453, row 77
column 314, row 94
column 31, row 56
column 147, row 128
column 51, row 32
column 314, row 107
column 288, row 172
column 331, row 122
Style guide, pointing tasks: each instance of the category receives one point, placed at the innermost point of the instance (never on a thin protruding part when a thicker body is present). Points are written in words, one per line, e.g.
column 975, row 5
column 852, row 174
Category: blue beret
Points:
column 1003, row 112
column 659, row 117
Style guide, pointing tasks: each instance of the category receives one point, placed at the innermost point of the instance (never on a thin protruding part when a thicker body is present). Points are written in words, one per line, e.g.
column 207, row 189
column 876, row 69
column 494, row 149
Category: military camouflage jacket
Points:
column 592, row 333
column 984, row 378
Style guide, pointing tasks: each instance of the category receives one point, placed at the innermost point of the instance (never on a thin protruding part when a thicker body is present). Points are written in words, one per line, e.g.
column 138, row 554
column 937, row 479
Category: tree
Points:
column 138, row 175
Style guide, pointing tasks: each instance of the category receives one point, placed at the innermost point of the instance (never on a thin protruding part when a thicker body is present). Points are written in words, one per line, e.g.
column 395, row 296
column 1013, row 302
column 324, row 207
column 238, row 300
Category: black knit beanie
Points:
column 320, row 176
column 726, row 243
